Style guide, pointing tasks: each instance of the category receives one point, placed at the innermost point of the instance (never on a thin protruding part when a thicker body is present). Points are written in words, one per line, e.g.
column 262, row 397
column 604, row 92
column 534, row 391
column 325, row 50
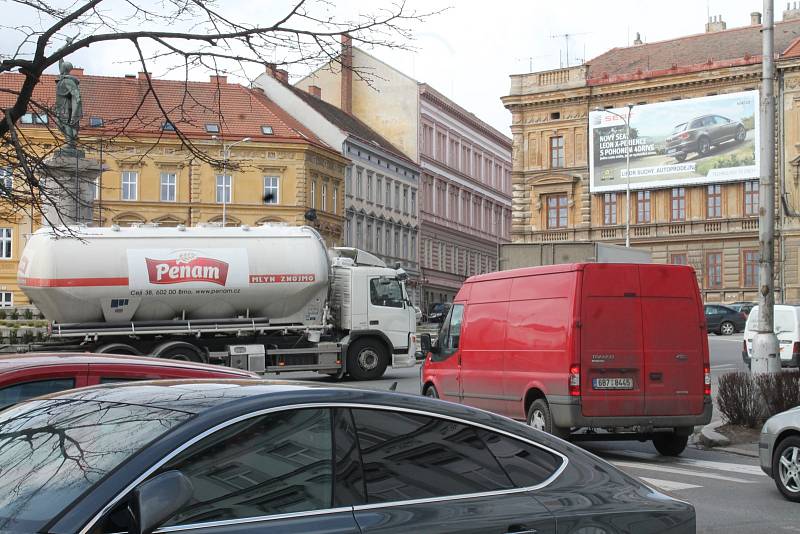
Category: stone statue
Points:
column 69, row 106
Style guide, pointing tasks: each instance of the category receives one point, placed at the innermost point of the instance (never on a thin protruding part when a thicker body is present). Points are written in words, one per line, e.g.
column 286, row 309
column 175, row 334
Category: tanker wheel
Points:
column 118, row 348
column 185, row 353
column 367, row 359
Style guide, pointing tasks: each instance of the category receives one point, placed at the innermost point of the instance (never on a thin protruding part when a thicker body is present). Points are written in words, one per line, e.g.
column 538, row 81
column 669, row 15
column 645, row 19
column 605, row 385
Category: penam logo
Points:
column 187, row 267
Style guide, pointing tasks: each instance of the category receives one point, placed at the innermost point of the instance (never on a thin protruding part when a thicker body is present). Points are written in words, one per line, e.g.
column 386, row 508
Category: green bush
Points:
column 28, row 314
column 14, row 314
column 3, row 314
column 27, row 336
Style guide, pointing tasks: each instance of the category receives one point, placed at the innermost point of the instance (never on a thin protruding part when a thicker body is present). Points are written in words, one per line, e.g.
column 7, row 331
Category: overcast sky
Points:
column 469, row 51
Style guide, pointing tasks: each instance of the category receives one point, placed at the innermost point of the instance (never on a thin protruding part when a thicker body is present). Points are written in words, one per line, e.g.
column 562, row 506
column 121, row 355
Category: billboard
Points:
column 681, row 142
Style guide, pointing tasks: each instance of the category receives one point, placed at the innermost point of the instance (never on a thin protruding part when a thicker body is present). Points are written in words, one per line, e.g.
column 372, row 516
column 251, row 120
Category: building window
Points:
column 678, row 259
column 6, row 299
column 405, row 245
column 678, row 204
column 5, row 243
column 714, row 201
column 369, row 187
column 130, row 180
column 335, row 199
column 369, row 236
column 405, row 200
column 643, row 206
column 750, row 268
column 427, row 140
column 556, row 152
column 95, row 122
column 397, row 243
column 167, row 126
column 6, row 180
column 379, row 239
column 324, row 197
column 610, row 208
column 348, row 181
column 266, row 130
column 34, row 118
column 413, row 202
column 212, row 128
column 169, row 185
column 413, row 256
column 388, row 203
column 397, row 197
column 379, row 190
column 714, row 270
column 359, row 183
column 224, row 183
column 271, row 190
column 359, row 234
column 313, row 201
column 751, row 198
column 557, row 211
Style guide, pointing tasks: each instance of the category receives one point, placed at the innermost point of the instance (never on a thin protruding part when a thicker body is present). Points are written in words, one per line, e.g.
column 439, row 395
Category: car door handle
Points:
column 656, row 376
column 681, row 357
column 374, row 322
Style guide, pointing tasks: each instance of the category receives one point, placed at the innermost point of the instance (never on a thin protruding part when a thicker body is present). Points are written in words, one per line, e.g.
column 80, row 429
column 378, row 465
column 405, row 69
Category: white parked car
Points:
column 787, row 328
column 779, row 452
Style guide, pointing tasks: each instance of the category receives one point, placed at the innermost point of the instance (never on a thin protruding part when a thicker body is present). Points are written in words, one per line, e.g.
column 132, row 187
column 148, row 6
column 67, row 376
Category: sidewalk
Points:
column 728, row 438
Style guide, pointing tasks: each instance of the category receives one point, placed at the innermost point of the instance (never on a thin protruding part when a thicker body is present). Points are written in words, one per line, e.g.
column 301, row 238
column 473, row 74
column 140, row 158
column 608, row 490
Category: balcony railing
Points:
column 662, row 230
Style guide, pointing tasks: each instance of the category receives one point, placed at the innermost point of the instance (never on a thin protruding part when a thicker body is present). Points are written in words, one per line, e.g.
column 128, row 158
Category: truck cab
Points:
column 371, row 307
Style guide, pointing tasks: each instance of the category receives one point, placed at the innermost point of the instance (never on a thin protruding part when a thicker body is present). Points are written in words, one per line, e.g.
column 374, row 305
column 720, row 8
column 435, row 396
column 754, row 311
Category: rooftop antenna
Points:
column 566, row 37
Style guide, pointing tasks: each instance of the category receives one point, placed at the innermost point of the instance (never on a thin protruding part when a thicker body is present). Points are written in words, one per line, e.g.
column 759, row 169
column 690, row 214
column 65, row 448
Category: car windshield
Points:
column 53, row 450
column 679, row 128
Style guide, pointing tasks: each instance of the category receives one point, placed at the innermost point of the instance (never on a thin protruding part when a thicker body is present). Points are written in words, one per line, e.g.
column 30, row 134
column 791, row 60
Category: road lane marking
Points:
column 678, row 471
column 668, row 485
column 707, row 464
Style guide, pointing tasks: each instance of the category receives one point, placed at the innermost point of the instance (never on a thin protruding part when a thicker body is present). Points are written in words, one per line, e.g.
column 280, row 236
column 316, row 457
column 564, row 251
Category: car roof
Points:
column 13, row 362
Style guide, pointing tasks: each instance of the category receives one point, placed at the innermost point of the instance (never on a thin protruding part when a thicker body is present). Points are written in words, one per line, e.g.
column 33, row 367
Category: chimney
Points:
column 315, row 90
column 347, row 74
column 218, row 80
column 638, row 39
column 755, row 18
column 142, row 75
column 76, row 71
column 278, row 74
column 792, row 11
column 715, row 24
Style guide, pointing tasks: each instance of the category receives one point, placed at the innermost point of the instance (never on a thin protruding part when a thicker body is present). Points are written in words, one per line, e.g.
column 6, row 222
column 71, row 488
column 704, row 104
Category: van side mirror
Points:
column 425, row 344
column 160, row 498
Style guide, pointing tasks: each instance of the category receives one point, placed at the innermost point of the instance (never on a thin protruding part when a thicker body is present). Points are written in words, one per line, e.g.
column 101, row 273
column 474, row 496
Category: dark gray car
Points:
column 702, row 133
column 723, row 320
column 255, row 456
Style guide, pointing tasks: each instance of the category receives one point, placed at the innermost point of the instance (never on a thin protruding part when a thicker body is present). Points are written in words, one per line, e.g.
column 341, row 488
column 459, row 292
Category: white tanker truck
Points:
column 270, row 298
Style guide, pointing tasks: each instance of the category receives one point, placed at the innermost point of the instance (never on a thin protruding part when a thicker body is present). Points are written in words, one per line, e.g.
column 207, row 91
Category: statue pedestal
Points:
column 69, row 183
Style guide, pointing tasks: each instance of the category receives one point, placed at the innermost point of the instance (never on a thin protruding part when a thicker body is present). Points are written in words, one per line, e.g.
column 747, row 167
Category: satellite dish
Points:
column 311, row 215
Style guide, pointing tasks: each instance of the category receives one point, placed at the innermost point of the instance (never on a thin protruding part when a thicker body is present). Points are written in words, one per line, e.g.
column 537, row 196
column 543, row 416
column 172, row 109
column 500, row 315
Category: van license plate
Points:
column 612, row 383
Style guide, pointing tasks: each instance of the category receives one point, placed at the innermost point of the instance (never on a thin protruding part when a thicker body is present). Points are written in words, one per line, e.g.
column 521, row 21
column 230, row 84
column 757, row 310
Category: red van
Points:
column 620, row 350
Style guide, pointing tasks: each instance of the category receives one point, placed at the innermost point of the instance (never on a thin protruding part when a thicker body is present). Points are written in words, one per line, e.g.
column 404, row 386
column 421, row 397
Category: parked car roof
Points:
column 13, row 362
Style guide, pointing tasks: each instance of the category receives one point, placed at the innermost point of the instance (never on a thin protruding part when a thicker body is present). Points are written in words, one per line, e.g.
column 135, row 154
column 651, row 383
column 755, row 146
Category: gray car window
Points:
column 278, row 463
column 526, row 464
column 28, row 390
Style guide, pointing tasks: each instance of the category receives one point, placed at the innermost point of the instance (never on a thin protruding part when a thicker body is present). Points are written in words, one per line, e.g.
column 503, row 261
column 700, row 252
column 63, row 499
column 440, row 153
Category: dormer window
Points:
column 266, row 130
column 95, row 122
column 168, row 126
column 34, row 118
column 212, row 128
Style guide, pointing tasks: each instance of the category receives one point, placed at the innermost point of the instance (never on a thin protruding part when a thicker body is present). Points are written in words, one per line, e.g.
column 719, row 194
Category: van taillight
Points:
column 795, row 348
column 706, row 380
column 575, row 381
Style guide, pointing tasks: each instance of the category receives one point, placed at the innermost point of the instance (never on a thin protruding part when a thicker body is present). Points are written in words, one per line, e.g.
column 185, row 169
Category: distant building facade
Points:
column 465, row 185
column 381, row 184
column 712, row 227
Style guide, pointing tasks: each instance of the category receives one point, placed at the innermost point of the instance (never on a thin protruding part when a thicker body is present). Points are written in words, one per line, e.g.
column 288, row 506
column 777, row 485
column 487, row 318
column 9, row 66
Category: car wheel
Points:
column 367, row 359
column 540, row 418
column 727, row 328
column 431, row 392
column 680, row 158
column 741, row 134
column 670, row 443
column 786, row 467
column 703, row 146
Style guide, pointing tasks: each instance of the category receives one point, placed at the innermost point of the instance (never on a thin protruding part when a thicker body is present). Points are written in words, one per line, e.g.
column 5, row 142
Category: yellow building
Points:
column 711, row 226
column 279, row 173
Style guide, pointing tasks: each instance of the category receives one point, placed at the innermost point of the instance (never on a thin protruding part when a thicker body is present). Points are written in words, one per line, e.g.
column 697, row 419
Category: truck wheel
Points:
column 367, row 359
column 540, row 418
column 670, row 443
column 786, row 468
column 118, row 348
column 179, row 351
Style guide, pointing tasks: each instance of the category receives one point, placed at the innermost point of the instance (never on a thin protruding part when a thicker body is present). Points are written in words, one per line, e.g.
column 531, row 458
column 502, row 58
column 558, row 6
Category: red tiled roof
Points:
column 704, row 51
column 237, row 110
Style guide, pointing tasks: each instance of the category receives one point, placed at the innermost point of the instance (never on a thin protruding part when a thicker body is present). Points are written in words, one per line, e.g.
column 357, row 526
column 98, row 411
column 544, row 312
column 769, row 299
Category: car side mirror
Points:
column 425, row 344
column 160, row 498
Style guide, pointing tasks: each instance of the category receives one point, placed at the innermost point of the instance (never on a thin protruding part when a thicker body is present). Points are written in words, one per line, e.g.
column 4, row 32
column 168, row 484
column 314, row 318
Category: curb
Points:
column 709, row 436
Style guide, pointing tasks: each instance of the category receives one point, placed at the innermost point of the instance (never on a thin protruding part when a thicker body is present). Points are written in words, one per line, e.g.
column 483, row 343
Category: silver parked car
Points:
column 779, row 452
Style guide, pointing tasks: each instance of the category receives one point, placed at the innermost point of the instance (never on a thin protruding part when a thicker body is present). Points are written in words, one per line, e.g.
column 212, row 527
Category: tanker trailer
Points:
column 269, row 298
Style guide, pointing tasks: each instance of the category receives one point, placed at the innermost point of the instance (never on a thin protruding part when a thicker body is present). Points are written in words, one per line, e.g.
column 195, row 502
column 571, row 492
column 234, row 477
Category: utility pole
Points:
column 765, row 343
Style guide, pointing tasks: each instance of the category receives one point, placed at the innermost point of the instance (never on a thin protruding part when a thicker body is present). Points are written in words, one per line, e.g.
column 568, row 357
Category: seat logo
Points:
column 601, row 358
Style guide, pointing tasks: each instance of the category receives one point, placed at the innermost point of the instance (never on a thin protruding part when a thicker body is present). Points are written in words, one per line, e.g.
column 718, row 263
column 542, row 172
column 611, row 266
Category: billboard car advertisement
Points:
column 681, row 142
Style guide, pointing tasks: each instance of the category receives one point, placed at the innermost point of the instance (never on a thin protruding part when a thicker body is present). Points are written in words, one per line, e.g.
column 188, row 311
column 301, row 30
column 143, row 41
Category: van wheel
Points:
column 540, row 418
column 786, row 468
column 727, row 328
column 431, row 392
column 680, row 158
column 367, row 359
column 703, row 146
column 670, row 443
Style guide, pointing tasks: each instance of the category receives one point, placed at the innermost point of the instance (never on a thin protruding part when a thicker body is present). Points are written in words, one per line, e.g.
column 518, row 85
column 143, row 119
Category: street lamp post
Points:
column 226, row 147
column 627, row 122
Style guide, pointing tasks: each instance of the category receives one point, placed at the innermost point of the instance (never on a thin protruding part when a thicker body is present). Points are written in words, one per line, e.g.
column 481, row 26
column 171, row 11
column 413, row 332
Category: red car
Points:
column 585, row 346
column 24, row 376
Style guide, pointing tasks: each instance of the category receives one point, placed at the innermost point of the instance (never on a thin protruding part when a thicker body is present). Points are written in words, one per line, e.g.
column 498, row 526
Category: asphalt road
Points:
column 729, row 491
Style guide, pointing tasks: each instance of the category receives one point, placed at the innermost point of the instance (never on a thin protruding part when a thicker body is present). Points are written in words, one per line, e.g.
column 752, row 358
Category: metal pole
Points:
column 628, row 179
column 224, row 181
column 765, row 343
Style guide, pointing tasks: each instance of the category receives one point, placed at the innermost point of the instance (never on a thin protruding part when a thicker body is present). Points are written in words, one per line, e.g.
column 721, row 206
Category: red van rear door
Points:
column 673, row 340
column 611, row 341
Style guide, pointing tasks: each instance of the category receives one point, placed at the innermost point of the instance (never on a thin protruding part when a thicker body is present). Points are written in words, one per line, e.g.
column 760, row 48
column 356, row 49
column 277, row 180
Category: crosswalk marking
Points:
column 708, row 464
column 678, row 471
column 668, row 485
